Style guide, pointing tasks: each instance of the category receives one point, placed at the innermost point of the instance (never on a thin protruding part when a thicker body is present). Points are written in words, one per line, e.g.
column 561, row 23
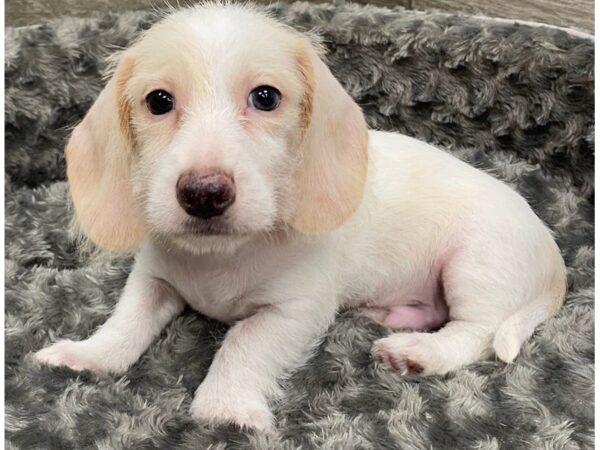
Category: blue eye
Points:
column 160, row 102
column 264, row 98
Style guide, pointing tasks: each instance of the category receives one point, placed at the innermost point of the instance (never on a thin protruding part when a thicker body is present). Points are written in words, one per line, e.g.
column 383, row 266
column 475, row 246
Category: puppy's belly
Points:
column 415, row 298
column 418, row 316
column 424, row 308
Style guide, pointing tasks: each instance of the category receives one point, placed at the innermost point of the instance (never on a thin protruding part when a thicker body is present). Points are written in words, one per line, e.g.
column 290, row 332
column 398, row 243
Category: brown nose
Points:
column 205, row 196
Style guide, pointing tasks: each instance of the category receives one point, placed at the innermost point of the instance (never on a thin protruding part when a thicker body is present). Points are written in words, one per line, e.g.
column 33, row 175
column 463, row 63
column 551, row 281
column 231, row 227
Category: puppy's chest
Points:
column 223, row 293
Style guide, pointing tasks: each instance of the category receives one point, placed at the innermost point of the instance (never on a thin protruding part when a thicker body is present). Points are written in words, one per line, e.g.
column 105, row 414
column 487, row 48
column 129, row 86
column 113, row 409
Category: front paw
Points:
column 224, row 409
column 77, row 356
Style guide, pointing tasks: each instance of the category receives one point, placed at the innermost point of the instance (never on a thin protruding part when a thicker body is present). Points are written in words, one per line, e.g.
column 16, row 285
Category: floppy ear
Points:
column 330, row 179
column 98, row 157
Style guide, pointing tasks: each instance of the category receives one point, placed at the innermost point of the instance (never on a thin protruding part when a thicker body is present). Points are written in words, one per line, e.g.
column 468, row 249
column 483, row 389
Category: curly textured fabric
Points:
column 514, row 100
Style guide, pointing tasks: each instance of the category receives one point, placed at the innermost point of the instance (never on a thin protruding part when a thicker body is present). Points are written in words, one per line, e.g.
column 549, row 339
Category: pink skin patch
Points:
column 417, row 317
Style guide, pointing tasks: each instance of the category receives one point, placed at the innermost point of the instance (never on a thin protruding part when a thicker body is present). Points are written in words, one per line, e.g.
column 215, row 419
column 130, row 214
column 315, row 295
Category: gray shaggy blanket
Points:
column 514, row 100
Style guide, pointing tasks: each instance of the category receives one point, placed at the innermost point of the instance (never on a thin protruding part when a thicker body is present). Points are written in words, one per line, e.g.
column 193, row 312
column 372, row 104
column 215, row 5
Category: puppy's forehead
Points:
column 223, row 39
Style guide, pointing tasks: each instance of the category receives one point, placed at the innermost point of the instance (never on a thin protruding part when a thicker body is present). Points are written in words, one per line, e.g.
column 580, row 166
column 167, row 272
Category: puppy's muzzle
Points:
column 205, row 195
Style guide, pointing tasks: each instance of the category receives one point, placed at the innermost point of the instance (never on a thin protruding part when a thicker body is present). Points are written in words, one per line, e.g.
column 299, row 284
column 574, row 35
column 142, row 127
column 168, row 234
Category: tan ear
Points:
column 330, row 179
column 98, row 168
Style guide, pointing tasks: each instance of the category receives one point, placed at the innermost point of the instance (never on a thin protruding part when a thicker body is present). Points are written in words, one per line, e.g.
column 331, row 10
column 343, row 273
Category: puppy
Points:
column 227, row 155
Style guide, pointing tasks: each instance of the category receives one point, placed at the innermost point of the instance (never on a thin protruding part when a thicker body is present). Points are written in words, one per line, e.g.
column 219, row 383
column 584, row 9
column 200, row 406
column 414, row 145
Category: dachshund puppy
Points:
column 225, row 153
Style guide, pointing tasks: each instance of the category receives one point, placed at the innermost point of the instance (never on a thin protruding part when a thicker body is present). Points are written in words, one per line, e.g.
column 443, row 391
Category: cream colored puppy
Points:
column 227, row 154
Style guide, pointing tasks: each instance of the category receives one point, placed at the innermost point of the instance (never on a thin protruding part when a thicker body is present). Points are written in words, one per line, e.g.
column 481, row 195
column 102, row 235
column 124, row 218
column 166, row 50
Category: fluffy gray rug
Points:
column 514, row 100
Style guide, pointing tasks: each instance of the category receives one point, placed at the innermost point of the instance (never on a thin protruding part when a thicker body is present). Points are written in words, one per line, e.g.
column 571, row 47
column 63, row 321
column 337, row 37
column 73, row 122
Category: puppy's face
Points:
column 216, row 117
column 224, row 125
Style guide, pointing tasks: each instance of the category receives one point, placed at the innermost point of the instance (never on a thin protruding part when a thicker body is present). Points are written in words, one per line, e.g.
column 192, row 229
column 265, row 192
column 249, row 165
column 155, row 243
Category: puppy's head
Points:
column 218, row 125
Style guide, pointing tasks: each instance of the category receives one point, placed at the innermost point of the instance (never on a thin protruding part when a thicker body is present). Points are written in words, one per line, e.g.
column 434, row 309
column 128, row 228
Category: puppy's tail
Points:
column 517, row 328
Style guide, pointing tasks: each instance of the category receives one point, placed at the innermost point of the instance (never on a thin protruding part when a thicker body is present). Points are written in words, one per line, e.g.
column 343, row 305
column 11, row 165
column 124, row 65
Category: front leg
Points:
column 145, row 307
column 255, row 353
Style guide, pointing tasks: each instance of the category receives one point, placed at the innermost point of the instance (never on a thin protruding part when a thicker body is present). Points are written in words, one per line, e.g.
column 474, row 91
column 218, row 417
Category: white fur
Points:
column 422, row 210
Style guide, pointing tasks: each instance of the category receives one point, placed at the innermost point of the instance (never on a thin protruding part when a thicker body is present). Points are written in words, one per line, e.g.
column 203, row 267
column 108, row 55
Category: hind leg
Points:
column 457, row 344
column 479, row 295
